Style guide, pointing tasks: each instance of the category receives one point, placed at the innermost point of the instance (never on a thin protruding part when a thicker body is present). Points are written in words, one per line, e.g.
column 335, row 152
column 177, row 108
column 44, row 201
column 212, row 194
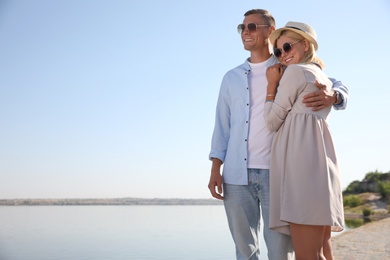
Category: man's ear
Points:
column 271, row 29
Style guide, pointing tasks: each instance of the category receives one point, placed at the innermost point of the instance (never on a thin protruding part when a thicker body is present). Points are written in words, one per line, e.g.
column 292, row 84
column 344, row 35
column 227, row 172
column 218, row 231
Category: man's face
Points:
column 258, row 39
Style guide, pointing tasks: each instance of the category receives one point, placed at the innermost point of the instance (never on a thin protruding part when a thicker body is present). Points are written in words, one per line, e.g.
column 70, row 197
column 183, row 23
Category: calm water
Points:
column 115, row 232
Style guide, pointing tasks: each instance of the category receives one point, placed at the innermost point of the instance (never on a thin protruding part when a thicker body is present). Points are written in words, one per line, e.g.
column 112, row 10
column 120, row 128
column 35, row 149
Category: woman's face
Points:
column 292, row 51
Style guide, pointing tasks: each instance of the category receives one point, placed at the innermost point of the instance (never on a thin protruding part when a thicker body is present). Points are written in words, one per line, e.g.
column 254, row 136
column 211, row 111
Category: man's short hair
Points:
column 267, row 16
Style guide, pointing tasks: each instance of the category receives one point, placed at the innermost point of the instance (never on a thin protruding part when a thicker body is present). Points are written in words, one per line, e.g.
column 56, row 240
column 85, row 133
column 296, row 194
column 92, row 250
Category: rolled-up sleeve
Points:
column 343, row 90
column 221, row 132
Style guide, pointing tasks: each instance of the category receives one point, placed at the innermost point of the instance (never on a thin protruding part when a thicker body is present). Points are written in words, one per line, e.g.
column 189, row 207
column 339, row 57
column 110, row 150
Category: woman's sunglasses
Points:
column 287, row 47
column 252, row 27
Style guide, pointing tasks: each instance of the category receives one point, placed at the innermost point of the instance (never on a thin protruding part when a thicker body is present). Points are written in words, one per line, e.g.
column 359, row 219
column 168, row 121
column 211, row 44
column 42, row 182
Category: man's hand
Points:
column 215, row 183
column 319, row 99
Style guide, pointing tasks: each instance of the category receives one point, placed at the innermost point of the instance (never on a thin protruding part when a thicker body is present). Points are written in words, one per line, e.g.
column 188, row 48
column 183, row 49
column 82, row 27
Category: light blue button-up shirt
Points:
column 229, row 141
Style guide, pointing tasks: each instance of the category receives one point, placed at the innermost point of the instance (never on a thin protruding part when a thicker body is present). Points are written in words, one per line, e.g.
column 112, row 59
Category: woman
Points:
column 306, row 198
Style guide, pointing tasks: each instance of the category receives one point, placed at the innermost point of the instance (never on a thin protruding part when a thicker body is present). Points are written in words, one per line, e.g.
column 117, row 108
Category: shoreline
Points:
column 374, row 216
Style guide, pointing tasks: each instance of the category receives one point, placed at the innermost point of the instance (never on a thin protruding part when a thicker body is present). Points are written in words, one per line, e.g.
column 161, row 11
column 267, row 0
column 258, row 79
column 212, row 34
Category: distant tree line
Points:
column 107, row 201
column 377, row 182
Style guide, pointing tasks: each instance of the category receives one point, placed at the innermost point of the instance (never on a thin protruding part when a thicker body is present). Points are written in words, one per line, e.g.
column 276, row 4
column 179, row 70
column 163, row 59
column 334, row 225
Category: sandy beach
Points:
column 370, row 241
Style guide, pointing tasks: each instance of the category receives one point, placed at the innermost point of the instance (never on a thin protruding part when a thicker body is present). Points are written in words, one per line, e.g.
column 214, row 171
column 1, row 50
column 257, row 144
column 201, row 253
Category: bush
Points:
column 384, row 189
column 367, row 212
column 353, row 188
column 373, row 176
column 372, row 182
column 352, row 201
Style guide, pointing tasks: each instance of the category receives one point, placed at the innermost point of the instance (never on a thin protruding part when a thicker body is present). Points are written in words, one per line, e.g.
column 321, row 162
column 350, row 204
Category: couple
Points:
column 273, row 141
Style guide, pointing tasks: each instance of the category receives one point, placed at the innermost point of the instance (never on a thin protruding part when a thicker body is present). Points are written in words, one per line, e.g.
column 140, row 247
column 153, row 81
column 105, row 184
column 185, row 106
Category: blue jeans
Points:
column 243, row 206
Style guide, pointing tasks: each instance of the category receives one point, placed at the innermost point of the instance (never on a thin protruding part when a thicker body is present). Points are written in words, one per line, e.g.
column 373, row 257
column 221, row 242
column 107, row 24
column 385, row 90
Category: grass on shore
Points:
column 371, row 202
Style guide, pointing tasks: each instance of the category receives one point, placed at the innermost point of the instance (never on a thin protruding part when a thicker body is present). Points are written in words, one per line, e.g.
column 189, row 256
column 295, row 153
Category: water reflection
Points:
column 354, row 223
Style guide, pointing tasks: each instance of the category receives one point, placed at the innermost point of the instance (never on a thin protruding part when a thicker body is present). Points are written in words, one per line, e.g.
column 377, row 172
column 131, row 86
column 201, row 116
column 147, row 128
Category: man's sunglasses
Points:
column 287, row 47
column 252, row 27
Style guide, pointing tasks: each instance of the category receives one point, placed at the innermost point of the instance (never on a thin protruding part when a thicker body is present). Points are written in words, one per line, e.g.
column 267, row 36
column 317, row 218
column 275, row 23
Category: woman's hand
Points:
column 274, row 73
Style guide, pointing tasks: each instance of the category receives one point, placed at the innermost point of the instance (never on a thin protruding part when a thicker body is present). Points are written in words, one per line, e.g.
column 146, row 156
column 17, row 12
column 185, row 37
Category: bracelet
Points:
column 270, row 95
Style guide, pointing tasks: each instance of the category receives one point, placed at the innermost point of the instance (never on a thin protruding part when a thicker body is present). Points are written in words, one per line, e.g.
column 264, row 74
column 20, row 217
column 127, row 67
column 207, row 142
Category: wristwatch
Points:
column 337, row 96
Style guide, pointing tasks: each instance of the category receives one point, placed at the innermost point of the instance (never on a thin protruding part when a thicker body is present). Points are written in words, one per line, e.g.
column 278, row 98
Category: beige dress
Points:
column 304, row 176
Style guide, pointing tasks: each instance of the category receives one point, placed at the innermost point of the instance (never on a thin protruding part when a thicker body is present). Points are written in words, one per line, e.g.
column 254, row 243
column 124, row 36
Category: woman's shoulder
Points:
column 302, row 68
column 293, row 74
column 300, row 73
column 295, row 69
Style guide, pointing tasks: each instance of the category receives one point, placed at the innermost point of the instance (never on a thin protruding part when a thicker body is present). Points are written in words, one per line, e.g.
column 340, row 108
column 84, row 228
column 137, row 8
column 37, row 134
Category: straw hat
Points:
column 302, row 29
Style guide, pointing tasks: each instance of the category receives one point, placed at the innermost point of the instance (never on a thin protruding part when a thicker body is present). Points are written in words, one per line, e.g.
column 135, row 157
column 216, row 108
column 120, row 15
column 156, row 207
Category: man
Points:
column 242, row 142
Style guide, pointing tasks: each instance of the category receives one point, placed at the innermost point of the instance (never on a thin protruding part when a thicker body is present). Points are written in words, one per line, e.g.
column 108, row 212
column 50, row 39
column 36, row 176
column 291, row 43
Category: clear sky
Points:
column 103, row 99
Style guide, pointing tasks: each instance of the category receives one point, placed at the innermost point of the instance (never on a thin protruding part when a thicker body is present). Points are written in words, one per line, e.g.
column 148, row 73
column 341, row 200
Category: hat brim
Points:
column 275, row 35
